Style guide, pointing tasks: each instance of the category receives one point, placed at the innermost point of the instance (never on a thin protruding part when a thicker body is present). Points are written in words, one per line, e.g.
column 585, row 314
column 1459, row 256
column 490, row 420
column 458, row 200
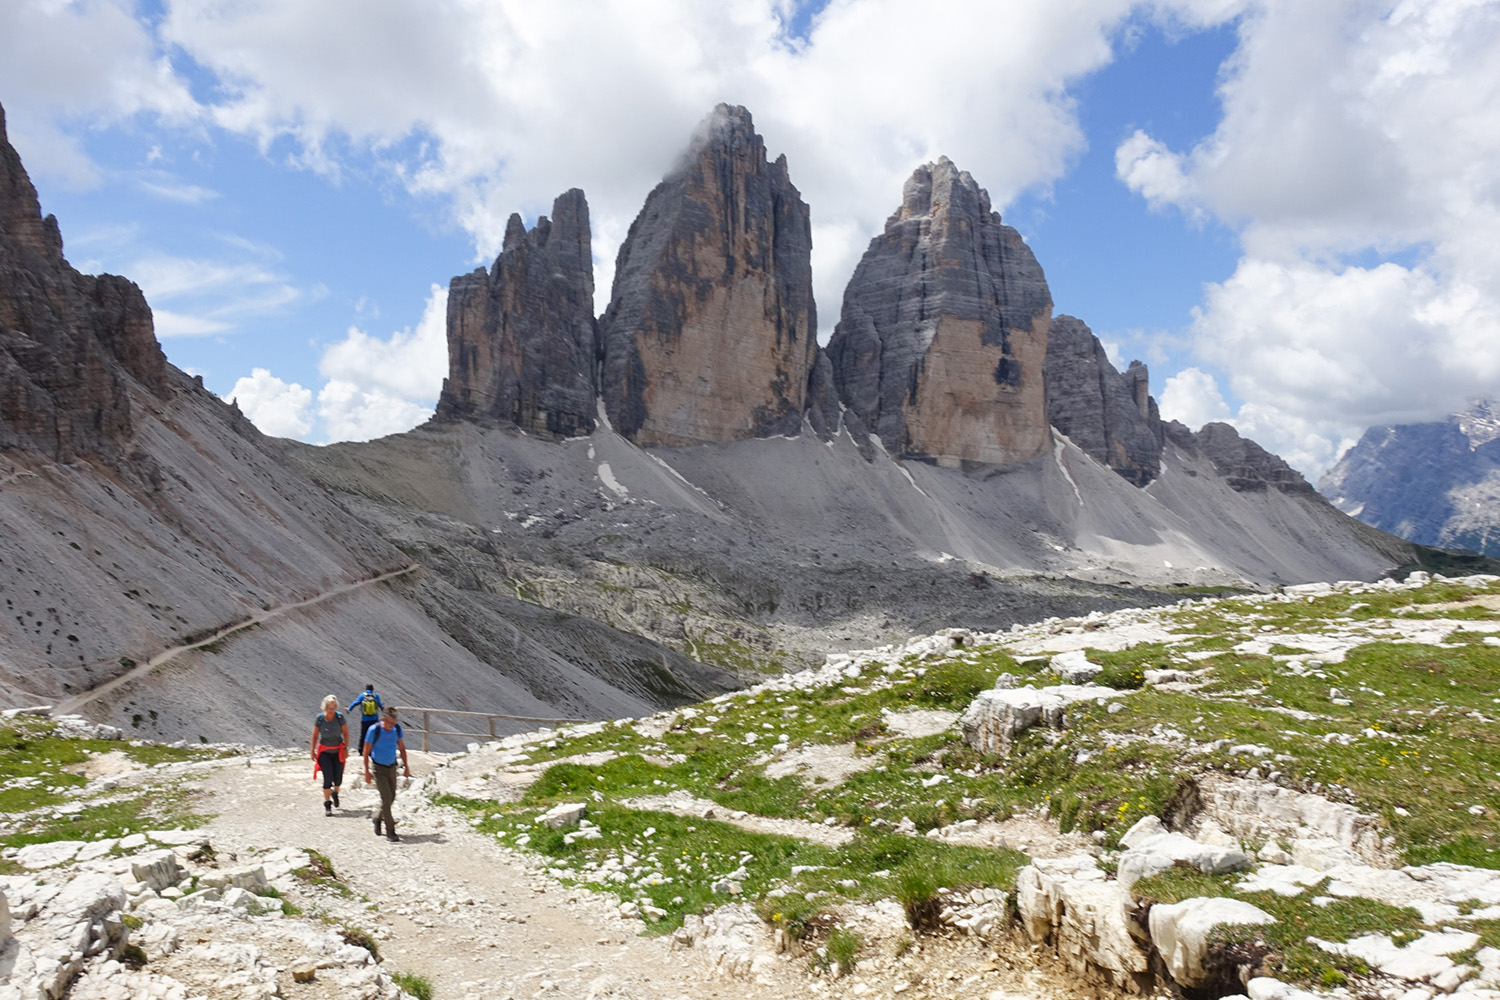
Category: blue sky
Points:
column 1281, row 207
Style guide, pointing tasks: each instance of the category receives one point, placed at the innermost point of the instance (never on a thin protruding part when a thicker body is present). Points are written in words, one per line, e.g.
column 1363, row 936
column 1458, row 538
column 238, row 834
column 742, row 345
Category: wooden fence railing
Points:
column 407, row 714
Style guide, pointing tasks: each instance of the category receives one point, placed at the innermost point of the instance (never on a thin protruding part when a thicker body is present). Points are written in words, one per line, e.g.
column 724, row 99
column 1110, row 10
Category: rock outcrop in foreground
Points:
column 1435, row 483
column 1110, row 416
column 522, row 341
column 68, row 341
column 940, row 347
column 711, row 333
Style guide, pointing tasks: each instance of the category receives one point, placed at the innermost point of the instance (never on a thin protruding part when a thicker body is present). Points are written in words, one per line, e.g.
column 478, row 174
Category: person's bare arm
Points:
column 401, row 745
column 315, row 742
column 366, row 755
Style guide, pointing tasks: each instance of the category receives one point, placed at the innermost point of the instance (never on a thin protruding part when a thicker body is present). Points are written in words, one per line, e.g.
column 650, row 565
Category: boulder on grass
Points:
column 1180, row 932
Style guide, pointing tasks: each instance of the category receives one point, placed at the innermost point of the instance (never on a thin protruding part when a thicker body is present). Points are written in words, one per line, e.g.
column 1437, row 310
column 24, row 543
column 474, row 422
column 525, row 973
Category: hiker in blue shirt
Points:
column 383, row 742
column 369, row 705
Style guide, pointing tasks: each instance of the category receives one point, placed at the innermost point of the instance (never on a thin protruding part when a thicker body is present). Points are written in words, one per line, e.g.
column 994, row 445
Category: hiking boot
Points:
column 335, row 796
column 391, row 835
column 327, row 808
column 377, row 826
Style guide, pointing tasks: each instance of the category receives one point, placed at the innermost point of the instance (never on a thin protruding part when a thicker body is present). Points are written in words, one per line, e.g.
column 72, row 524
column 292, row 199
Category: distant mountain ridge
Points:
column 1434, row 483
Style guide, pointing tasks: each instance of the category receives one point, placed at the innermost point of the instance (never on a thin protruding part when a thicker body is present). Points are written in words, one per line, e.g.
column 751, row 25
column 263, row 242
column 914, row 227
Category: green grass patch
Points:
column 672, row 863
column 417, row 985
column 358, row 936
column 39, row 769
column 843, row 947
column 319, row 871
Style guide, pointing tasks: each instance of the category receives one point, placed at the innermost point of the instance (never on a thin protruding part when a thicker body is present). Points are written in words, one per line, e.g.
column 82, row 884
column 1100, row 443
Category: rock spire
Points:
column 711, row 331
column 522, row 340
column 940, row 346
column 69, row 343
column 1110, row 415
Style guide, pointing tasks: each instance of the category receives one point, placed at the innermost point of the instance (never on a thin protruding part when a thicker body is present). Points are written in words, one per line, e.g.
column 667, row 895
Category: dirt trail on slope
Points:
column 260, row 616
column 484, row 922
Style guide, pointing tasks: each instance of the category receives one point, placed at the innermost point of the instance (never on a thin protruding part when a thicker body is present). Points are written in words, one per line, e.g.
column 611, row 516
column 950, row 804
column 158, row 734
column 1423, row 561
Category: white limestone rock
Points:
column 1180, row 932
column 1284, row 880
column 978, row 912
column 731, row 937
column 563, row 814
column 1265, row 988
column 64, row 926
column 1261, row 811
column 1425, row 959
column 1323, row 854
column 249, row 877
column 1070, row 902
column 1152, row 849
column 49, row 854
column 157, row 869
column 994, row 717
column 1074, row 667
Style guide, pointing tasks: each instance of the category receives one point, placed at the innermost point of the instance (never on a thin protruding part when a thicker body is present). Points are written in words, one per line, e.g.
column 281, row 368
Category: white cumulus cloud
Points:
column 89, row 60
column 280, row 409
column 1192, row 397
column 380, row 386
column 498, row 105
column 1355, row 156
column 351, row 413
column 410, row 364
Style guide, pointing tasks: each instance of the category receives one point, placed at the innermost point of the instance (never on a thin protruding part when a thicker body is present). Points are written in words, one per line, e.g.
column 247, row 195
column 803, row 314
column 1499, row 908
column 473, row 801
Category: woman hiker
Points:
column 382, row 743
column 330, row 745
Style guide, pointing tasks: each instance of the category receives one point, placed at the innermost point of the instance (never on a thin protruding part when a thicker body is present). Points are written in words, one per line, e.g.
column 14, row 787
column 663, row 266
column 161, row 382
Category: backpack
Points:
column 379, row 731
column 369, row 706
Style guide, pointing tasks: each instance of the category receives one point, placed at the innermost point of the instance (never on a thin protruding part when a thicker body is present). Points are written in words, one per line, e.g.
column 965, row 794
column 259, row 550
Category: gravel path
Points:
column 484, row 922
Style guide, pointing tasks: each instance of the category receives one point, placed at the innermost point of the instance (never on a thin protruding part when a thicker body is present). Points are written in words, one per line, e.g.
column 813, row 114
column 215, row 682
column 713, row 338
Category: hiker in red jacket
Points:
column 330, row 745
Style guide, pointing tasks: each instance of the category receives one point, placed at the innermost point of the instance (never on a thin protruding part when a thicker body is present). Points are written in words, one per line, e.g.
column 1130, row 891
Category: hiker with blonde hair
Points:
column 330, row 746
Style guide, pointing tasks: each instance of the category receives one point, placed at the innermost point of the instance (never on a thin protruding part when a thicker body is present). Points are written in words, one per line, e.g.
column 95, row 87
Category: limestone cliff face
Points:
column 711, row 331
column 941, row 343
column 69, row 342
column 522, row 340
column 1110, row 415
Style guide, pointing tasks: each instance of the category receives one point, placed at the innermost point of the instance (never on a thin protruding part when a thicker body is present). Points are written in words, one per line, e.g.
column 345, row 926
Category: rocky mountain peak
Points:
column 1437, row 483
column 1245, row 465
column 940, row 346
column 711, row 331
column 69, row 343
column 22, row 227
column 1109, row 414
column 522, row 340
column 942, row 191
column 1480, row 421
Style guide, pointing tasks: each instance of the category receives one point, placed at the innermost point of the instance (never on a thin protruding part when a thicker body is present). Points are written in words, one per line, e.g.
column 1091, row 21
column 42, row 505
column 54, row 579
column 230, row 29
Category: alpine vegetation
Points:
column 1224, row 795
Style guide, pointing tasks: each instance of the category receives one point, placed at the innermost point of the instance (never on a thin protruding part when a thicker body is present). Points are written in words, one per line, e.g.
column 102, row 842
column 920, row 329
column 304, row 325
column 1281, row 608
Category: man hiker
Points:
column 330, row 745
column 369, row 705
column 382, row 743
